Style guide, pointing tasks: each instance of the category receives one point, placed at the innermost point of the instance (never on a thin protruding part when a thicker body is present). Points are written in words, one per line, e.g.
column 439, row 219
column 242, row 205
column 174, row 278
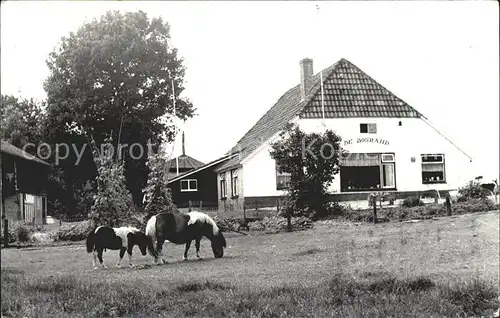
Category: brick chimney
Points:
column 306, row 75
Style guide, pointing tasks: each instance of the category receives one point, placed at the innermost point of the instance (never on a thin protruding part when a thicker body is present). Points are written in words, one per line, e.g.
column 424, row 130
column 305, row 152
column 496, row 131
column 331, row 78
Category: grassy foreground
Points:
column 446, row 267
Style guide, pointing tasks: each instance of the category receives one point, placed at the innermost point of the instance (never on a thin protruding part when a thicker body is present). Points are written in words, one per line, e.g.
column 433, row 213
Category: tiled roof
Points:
column 14, row 151
column 348, row 92
column 185, row 162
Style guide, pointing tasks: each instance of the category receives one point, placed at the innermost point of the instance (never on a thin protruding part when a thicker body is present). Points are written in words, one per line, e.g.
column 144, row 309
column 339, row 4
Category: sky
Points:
column 441, row 57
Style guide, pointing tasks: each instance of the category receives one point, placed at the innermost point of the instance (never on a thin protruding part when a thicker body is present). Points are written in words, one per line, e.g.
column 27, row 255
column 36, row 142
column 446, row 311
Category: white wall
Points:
column 260, row 175
column 412, row 139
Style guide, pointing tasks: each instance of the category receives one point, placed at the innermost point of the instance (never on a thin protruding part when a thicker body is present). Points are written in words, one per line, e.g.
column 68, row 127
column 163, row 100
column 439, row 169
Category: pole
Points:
column 177, row 157
column 321, row 72
column 1, row 187
column 448, row 205
column 5, row 232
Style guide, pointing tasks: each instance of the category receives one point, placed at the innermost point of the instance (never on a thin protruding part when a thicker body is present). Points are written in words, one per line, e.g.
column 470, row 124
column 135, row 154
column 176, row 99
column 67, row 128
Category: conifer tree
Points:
column 158, row 198
column 113, row 204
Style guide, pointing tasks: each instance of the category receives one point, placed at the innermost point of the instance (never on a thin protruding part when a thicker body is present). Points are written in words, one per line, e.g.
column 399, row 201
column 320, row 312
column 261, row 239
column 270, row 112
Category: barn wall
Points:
column 12, row 209
column 232, row 203
column 207, row 189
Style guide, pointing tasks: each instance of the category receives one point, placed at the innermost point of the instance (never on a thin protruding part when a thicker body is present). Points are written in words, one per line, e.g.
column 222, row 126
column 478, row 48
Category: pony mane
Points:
column 195, row 216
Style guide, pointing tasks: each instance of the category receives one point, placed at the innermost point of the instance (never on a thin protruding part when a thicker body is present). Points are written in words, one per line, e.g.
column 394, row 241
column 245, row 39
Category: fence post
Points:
column 5, row 232
column 201, row 205
column 374, row 200
column 189, row 207
column 448, row 205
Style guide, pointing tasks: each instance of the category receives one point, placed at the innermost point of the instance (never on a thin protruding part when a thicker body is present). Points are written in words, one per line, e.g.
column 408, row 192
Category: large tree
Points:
column 114, row 76
column 21, row 121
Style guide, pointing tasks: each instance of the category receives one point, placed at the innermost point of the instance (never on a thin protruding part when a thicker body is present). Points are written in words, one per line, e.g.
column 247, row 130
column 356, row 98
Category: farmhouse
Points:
column 392, row 147
column 24, row 180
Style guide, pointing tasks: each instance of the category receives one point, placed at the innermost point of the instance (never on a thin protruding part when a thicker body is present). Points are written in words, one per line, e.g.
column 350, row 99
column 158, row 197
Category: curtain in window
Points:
column 388, row 175
column 360, row 160
column 432, row 167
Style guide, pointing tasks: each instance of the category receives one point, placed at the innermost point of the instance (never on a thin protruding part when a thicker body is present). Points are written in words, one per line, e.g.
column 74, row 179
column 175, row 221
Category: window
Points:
column 368, row 128
column 367, row 172
column 388, row 175
column 29, row 198
column 387, row 157
column 189, row 185
column 234, row 183
column 282, row 179
column 222, row 183
column 433, row 169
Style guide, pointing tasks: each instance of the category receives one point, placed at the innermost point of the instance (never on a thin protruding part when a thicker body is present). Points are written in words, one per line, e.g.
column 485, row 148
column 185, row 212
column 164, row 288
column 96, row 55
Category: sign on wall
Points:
column 370, row 140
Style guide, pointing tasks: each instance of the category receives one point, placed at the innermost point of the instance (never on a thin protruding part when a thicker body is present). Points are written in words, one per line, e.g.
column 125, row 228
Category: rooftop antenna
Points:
column 183, row 146
column 321, row 71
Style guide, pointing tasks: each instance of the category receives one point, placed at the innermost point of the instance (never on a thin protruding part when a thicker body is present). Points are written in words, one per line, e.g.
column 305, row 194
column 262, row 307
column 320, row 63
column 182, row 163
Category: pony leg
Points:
column 197, row 244
column 94, row 260
column 160, row 250
column 129, row 252
column 188, row 245
column 122, row 253
column 99, row 256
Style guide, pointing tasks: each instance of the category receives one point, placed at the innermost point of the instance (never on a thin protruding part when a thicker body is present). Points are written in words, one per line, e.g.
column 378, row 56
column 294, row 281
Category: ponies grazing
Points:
column 122, row 238
column 183, row 228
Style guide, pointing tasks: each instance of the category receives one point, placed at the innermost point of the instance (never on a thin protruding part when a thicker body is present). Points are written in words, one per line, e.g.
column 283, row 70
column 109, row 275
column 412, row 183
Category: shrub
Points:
column 473, row 205
column 74, row 232
column 43, row 237
column 21, row 233
column 474, row 190
column 411, row 202
column 276, row 224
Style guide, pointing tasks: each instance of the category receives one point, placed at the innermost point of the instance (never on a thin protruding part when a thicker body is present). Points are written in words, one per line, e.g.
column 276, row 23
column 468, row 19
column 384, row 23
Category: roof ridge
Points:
column 309, row 95
column 262, row 117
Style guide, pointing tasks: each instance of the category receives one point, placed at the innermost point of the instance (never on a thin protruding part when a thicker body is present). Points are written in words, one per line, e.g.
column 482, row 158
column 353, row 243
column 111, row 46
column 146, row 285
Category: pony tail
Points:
column 151, row 234
column 90, row 241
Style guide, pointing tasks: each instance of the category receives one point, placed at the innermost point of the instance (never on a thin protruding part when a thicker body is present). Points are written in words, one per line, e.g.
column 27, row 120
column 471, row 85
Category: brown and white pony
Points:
column 183, row 228
column 122, row 238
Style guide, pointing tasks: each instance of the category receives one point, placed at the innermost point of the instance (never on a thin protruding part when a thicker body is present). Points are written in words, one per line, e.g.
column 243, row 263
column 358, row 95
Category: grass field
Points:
column 446, row 267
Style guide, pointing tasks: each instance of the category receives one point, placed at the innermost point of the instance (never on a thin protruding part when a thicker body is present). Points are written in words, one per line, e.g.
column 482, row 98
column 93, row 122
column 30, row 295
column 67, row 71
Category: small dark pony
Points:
column 183, row 228
column 122, row 238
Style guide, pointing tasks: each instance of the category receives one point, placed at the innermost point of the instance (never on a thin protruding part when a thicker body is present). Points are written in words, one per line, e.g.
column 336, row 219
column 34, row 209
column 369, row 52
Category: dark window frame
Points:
column 368, row 128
